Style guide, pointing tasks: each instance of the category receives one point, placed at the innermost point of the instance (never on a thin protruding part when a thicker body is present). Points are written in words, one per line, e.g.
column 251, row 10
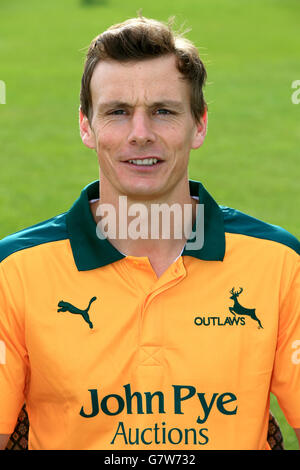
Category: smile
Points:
column 145, row 161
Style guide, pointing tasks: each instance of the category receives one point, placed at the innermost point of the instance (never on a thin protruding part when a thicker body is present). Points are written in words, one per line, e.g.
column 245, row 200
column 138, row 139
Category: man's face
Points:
column 142, row 127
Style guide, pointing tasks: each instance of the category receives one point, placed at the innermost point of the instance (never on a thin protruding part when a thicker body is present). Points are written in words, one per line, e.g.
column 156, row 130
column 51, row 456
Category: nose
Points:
column 141, row 132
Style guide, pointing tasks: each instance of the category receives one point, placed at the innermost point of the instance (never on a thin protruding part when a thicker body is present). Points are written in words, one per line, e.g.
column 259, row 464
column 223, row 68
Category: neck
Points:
column 157, row 228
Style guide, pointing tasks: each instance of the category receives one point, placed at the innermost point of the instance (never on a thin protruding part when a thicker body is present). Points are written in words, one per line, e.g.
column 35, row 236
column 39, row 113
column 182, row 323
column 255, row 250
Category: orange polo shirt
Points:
column 108, row 356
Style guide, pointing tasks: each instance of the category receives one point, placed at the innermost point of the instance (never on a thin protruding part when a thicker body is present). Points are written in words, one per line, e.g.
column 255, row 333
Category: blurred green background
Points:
column 250, row 158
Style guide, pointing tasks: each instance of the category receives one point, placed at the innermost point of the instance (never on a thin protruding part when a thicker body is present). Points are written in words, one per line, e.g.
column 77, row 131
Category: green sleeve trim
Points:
column 243, row 224
column 50, row 230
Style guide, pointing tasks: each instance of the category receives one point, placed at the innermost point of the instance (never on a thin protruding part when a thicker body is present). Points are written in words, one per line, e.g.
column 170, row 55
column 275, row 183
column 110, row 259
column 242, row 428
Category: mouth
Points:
column 144, row 162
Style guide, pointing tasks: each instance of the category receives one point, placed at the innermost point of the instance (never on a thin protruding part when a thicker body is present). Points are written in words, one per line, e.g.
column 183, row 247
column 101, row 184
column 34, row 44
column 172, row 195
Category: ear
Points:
column 201, row 129
column 86, row 132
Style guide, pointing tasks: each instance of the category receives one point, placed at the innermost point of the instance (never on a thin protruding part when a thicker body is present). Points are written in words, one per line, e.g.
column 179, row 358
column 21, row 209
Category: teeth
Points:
column 145, row 161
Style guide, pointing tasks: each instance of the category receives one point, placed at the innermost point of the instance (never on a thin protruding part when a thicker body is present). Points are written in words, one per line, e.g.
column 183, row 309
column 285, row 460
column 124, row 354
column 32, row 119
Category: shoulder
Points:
column 239, row 223
column 50, row 230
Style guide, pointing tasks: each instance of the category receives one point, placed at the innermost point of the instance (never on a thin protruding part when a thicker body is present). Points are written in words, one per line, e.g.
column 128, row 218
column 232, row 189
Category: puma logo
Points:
column 67, row 307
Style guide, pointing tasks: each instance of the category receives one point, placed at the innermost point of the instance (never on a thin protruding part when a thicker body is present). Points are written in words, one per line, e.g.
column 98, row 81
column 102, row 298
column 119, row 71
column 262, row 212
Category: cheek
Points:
column 106, row 143
column 181, row 143
column 111, row 136
column 179, row 133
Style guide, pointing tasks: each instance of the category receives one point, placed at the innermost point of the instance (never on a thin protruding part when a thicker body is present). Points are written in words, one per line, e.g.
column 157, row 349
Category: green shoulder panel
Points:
column 243, row 224
column 50, row 230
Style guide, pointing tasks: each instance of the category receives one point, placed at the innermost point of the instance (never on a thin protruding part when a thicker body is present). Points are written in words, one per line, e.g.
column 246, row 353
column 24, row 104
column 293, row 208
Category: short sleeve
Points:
column 13, row 354
column 286, row 373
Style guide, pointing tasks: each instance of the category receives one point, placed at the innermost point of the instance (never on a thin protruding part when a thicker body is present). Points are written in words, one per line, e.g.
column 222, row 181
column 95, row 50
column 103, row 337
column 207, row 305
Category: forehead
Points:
column 150, row 79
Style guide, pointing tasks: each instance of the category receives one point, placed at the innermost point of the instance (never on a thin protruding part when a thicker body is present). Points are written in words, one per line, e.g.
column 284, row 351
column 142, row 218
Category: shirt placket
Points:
column 150, row 370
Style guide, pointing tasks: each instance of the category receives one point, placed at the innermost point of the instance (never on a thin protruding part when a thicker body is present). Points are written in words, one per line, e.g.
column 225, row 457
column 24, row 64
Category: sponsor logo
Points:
column 149, row 403
column 240, row 313
column 67, row 307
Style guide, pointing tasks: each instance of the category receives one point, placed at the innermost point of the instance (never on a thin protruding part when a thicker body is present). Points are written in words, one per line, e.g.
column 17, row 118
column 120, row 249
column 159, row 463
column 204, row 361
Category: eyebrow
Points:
column 169, row 104
column 122, row 104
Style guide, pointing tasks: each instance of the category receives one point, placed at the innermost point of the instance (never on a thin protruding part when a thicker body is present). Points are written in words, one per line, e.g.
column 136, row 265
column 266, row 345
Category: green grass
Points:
column 250, row 157
column 289, row 438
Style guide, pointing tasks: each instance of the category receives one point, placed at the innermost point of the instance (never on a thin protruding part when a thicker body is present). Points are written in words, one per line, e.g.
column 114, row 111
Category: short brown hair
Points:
column 139, row 39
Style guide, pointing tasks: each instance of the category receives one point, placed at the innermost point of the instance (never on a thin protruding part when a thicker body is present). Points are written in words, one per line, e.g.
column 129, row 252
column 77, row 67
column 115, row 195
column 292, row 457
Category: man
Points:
column 170, row 340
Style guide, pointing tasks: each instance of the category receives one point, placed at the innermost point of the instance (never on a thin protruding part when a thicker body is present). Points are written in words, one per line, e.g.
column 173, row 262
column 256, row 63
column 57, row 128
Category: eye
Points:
column 117, row 112
column 163, row 111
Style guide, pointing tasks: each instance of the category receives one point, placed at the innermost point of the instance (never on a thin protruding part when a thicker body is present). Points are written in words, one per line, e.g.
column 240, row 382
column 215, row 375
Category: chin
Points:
column 143, row 192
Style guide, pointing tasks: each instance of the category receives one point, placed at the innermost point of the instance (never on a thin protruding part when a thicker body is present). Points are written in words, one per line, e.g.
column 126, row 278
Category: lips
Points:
column 144, row 161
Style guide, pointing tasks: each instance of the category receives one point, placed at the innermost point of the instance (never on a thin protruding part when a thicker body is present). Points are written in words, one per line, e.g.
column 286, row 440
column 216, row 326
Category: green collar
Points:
column 90, row 252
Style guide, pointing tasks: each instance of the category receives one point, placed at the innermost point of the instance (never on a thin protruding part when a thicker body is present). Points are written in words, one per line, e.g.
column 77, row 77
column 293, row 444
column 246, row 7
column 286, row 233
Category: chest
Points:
column 123, row 328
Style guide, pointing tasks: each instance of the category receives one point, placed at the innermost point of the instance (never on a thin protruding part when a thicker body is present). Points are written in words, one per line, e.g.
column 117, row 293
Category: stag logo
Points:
column 67, row 307
column 238, row 309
